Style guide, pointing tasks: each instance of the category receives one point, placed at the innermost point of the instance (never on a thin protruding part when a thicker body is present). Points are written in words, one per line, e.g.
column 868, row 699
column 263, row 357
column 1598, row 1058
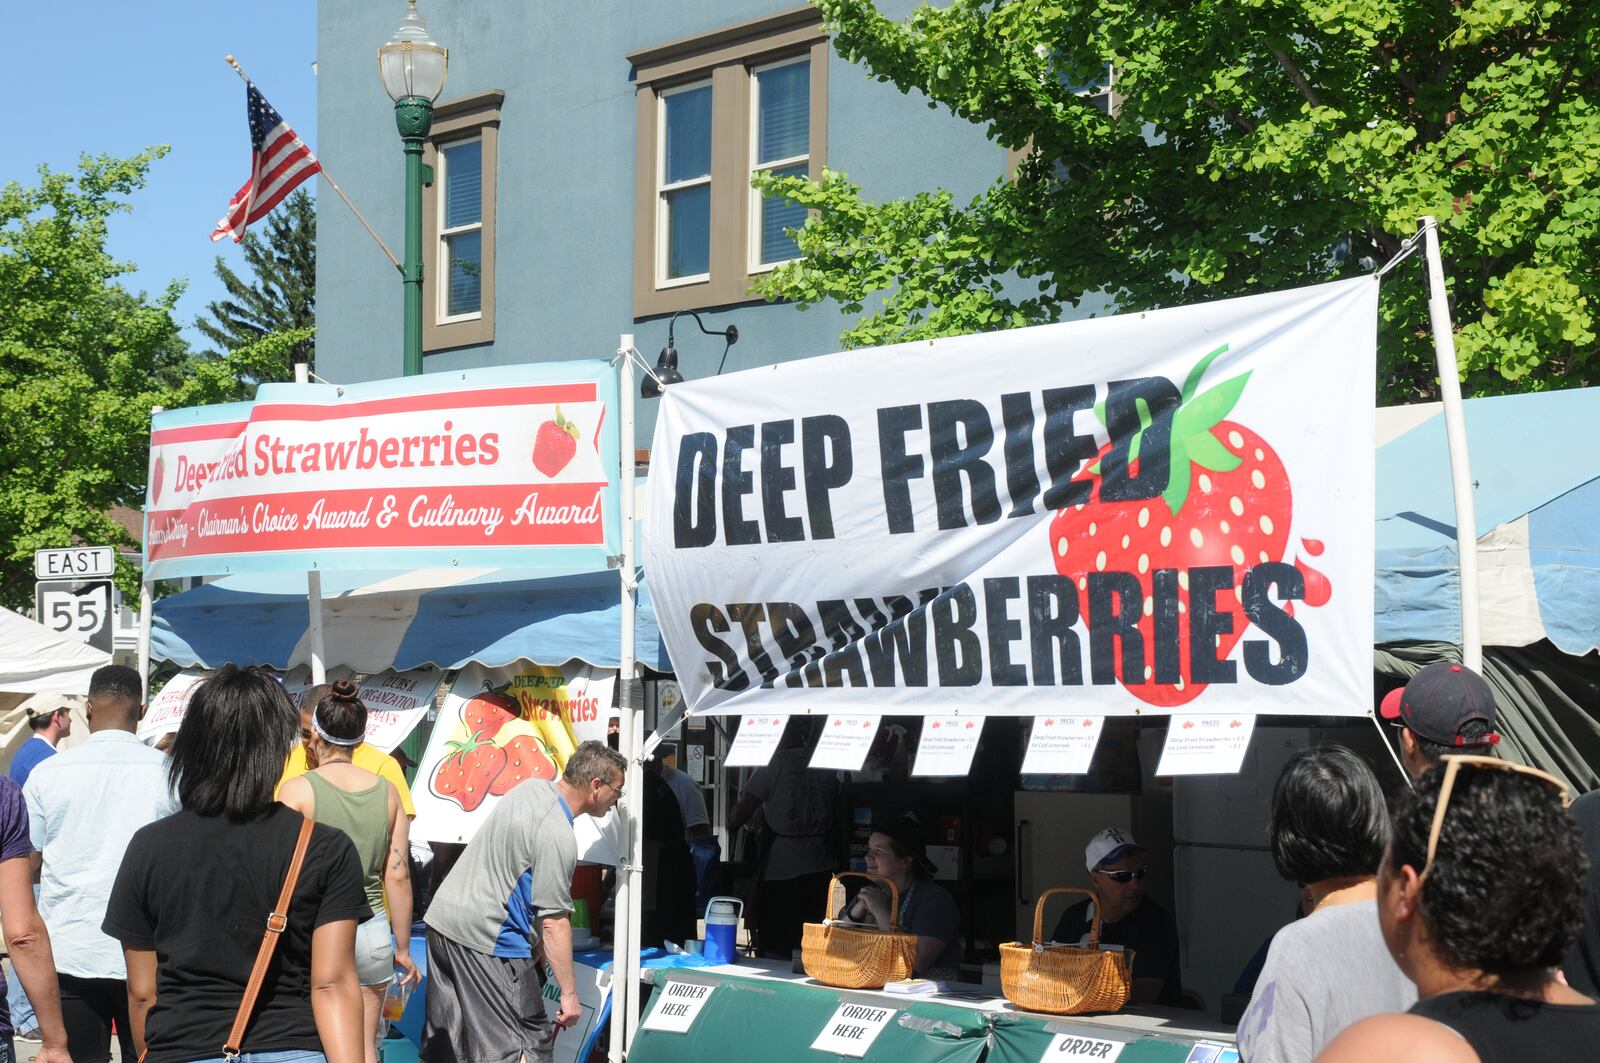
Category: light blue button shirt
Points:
column 83, row 806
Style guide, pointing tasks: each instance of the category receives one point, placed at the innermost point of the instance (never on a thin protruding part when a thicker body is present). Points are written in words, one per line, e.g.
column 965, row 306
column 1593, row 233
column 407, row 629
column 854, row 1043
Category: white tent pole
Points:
column 1455, row 432
column 319, row 661
column 625, row 968
column 145, row 606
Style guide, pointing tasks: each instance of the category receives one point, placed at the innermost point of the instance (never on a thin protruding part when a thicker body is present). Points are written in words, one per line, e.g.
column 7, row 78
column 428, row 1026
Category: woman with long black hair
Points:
column 197, row 888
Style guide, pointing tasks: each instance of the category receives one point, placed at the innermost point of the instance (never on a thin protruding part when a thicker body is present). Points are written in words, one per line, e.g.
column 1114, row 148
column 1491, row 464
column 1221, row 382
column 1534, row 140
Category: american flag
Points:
column 279, row 162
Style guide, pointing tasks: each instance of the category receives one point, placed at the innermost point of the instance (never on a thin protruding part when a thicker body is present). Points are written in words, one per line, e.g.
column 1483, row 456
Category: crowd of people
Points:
column 249, row 890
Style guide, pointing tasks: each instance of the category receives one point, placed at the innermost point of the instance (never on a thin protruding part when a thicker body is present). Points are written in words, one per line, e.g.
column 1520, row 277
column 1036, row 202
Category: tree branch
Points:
column 1296, row 76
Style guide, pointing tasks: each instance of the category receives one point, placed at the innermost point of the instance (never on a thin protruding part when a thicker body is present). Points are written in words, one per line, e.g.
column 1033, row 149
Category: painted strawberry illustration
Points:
column 468, row 771
column 484, row 714
column 555, row 444
column 157, row 474
column 1227, row 504
column 526, row 758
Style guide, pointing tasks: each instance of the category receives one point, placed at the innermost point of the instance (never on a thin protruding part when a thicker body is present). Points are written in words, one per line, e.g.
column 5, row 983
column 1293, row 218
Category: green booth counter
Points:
column 761, row 1010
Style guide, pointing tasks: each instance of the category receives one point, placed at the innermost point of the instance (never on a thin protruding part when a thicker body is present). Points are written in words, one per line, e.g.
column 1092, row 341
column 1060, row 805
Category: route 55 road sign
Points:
column 78, row 608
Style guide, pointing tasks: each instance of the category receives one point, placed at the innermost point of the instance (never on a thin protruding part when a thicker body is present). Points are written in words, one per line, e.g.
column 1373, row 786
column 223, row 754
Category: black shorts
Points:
column 483, row 1009
column 89, row 1006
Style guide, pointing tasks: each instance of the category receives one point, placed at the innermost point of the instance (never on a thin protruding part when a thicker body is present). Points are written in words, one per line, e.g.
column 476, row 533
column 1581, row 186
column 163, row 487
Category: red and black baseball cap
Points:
column 1439, row 701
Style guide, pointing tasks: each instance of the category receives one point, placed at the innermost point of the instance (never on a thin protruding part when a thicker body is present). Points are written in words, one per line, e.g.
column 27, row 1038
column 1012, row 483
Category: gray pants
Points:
column 483, row 1009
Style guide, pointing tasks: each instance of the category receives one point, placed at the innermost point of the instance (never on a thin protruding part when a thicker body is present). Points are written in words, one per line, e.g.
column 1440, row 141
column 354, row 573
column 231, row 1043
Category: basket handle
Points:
column 1038, row 914
column 894, row 894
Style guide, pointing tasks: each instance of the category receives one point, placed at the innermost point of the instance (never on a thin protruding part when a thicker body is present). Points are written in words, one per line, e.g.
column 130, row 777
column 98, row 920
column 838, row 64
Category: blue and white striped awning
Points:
column 1536, row 466
column 373, row 621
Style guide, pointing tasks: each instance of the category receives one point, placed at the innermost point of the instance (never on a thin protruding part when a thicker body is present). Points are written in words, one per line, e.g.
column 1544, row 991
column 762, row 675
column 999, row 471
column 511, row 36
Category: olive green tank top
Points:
column 364, row 816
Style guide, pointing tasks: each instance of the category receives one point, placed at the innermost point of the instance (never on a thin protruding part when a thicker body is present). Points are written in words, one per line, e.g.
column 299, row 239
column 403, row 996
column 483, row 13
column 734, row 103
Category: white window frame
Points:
column 442, row 183
column 663, row 221
column 754, row 265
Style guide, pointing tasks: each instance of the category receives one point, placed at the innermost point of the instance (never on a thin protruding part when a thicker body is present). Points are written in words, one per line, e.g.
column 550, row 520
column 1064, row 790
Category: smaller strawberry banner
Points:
column 500, row 727
column 1159, row 512
column 511, row 466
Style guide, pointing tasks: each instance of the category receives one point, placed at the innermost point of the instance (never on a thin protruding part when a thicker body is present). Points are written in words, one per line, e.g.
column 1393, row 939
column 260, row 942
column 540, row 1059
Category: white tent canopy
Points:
column 36, row 660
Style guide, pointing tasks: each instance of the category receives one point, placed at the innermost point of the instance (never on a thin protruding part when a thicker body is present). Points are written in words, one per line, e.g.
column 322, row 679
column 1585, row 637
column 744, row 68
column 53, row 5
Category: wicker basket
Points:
column 1065, row 979
column 849, row 955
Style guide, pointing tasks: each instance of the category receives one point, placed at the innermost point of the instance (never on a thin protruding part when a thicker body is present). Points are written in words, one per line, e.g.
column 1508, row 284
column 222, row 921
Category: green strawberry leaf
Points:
column 1178, row 479
column 1191, row 383
column 1202, row 413
column 1206, row 452
column 565, row 425
column 1145, row 421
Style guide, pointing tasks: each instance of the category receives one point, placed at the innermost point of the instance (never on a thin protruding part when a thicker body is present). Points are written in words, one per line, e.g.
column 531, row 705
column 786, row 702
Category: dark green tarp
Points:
column 1025, row 1039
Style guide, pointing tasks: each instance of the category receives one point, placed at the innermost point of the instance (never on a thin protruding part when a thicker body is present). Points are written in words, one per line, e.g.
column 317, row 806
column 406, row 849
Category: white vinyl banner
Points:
column 1154, row 512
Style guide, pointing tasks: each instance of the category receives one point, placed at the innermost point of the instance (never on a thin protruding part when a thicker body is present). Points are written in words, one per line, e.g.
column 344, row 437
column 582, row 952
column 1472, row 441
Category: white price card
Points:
column 756, row 741
column 167, row 708
column 1205, row 744
column 852, row 1029
column 844, row 742
column 947, row 745
column 1069, row 1046
column 1062, row 745
column 680, row 1004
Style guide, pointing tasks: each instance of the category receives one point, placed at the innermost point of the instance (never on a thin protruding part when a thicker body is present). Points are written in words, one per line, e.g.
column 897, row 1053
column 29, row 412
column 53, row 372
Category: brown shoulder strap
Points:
column 276, row 922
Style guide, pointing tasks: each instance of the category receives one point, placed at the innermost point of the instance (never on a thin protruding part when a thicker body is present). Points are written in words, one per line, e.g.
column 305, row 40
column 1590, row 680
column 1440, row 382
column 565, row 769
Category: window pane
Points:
column 688, row 133
column 688, row 231
column 463, row 189
column 778, row 214
column 464, row 281
column 784, row 103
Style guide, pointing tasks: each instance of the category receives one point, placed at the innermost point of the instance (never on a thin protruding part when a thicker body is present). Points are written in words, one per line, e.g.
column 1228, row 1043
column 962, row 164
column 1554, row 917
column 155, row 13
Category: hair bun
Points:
column 345, row 690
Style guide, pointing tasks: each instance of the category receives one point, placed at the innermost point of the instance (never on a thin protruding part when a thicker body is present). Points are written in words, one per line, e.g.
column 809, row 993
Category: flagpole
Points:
column 326, row 176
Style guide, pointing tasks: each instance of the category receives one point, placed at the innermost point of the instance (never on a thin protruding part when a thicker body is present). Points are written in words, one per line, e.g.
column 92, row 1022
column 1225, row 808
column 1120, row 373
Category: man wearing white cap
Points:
column 1117, row 870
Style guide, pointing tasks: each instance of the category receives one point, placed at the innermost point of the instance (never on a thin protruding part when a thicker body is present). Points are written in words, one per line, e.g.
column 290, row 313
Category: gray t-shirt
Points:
column 1323, row 973
column 517, row 867
column 798, row 805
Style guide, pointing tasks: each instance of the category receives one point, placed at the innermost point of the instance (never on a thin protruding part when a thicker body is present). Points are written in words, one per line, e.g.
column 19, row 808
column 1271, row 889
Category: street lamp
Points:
column 667, row 363
column 413, row 67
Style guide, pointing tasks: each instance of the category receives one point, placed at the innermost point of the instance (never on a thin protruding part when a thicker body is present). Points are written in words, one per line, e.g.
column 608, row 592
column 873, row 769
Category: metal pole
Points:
column 414, row 116
column 319, row 671
column 1455, row 432
column 145, row 604
column 625, row 966
column 631, row 712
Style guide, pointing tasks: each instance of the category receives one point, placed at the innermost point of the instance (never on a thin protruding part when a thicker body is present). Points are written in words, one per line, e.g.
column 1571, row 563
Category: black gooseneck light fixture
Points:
column 666, row 371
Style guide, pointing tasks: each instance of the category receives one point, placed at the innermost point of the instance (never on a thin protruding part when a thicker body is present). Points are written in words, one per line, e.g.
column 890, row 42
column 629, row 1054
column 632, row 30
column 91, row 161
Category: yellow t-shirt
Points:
column 365, row 756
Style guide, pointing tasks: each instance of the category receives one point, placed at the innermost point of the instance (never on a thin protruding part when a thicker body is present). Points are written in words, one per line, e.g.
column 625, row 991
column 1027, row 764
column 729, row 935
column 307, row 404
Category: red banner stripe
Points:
column 192, row 432
column 536, row 394
column 256, row 537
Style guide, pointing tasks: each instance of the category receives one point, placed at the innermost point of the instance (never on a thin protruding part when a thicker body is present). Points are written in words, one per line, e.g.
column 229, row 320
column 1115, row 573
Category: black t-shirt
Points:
column 1149, row 932
column 1504, row 1029
column 197, row 890
column 1583, row 959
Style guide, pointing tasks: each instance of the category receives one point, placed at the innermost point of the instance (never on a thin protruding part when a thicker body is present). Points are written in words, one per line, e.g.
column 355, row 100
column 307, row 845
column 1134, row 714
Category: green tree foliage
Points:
column 1254, row 145
column 82, row 361
column 280, row 297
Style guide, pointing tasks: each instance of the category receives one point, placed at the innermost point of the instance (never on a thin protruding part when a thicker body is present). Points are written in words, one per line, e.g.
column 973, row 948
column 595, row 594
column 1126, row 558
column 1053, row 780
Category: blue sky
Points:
column 116, row 78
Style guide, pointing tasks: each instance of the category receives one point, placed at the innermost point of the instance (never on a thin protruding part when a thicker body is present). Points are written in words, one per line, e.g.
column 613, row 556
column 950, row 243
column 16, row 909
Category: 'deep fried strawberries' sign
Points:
column 1153, row 512
column 507, row 466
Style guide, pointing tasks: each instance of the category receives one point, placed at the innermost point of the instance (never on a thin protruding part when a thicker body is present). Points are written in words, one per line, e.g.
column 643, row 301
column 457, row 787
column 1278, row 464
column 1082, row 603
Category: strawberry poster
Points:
column 500, row 727
column 507, row 466
column 1162, row 512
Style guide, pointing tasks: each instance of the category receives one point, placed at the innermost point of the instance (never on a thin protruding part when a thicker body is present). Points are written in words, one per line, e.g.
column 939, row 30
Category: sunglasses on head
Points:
column 1125, row 877
column 1453, row 764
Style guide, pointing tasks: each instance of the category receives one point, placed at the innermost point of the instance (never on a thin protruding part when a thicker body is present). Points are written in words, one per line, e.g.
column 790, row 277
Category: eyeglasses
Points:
column 1122, row 878
column 1453, row 763
column 614, row 786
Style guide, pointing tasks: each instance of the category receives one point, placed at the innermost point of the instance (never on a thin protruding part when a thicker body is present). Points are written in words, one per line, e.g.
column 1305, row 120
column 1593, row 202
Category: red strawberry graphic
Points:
column 157, row 474
column 1227, row 504
column 468, row 771
column 486, row 713
column 1088, row 723
column 554, row 444
column 526, row 758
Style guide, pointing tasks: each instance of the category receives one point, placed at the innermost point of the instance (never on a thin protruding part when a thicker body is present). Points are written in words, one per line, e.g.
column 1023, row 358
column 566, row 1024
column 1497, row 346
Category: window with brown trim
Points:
column 458, row 222
column 712, row 111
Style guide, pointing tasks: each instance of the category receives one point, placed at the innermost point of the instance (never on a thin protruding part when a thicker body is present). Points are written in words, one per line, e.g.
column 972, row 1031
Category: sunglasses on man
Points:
column 1122, row 878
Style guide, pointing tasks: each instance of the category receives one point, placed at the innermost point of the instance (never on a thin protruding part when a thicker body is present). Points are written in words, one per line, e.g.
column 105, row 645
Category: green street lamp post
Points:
column 413, row 66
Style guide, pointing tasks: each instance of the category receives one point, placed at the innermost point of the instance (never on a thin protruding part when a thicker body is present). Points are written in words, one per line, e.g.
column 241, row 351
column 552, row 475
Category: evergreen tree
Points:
column 280, row 295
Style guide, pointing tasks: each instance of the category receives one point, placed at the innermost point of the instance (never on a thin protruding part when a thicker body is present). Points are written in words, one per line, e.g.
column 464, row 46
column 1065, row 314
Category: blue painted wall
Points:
column 564, row 242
